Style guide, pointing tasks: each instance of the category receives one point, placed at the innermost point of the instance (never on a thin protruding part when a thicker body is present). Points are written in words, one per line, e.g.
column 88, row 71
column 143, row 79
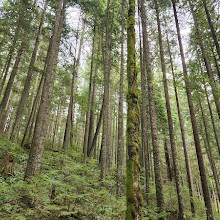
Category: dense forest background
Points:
column 109, row 109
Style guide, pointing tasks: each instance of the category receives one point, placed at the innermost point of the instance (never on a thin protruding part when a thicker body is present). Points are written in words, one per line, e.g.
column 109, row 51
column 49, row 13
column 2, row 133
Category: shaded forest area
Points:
column 110, row 109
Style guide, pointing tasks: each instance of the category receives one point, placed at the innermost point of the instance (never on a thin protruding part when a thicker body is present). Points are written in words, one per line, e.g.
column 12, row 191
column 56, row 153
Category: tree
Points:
column 40, row 131
column 206, row 194
column 133, row 194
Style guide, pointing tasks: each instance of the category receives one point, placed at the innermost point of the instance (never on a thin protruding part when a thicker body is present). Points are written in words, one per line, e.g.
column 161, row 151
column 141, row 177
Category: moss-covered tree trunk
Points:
column 133, row 194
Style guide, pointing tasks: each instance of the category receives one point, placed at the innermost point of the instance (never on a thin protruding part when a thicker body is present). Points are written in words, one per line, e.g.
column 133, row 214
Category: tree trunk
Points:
column 33, row 110
column 204, row 181
column 153, row 121
column 133, row 193
column 183, row 136
column 69, row 120
column 170, row 119
column 120, row 144
column 24, row 96
column 56, row 124
column 94, row 141
column 41, row 126
column 144, row 124
column 92, row 109
column 86, row 136
column 167, row 158
column 106, row 96
column 10, row 83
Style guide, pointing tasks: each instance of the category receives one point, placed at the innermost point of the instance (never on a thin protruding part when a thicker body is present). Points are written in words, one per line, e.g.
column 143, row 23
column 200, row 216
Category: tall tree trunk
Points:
column 204, row 181
column 94, row 141
column 56, row 124
column 106, row 96
column 69, row 120
column 206, row 60
column 133, row 193
column 10, row 83
column 144, row 124
column 33, row 110
column 170, row 120
column 41, row 126
column 92, row 109
column 183, row 136
column 120, row 144
column 24, row 96
column 152, row 108
column 86, row 136
column 167, row 158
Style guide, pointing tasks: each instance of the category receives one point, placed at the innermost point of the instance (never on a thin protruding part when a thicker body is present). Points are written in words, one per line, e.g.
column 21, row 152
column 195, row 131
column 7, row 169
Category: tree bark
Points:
column 144, row 123
column 86, row 136
column 167, row 158
column 120, row 144
column 33, row 110
column 41, row 126
column 92, row 109
column 133, row 193
column 106, row 97
column 94, row 141
column 153, row 121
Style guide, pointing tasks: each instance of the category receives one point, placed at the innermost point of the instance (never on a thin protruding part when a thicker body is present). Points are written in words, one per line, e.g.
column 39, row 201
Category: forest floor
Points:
column 68, row 188
column 63, row 190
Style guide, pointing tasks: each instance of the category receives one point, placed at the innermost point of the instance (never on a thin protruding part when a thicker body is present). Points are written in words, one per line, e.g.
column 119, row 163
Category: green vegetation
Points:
column 62, row 190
